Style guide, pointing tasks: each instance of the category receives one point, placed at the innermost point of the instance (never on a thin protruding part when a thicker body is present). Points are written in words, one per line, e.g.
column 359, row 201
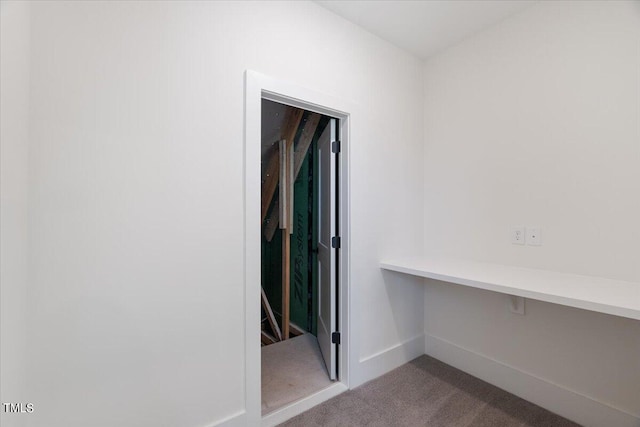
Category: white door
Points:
column 327, row 268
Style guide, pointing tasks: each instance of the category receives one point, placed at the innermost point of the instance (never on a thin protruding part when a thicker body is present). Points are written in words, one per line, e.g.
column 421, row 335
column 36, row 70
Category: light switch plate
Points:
column 534, row 236
column 517, row 235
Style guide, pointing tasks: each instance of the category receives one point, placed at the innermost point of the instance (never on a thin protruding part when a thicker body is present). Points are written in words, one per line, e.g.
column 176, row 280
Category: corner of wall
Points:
column 378, row 364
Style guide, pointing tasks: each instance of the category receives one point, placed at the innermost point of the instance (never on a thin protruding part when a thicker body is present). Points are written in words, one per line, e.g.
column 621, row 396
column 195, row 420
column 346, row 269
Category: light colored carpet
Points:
column 291, row 370
column 427, row 392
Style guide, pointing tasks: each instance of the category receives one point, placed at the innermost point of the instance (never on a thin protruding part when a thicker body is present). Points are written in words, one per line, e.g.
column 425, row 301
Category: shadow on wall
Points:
column 400, row 303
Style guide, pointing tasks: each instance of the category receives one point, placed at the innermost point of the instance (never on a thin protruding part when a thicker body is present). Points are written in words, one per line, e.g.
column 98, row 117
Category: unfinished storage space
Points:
column 293, row 364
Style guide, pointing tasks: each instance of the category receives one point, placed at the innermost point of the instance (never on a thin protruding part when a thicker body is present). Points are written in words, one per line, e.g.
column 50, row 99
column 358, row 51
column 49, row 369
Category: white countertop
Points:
column 609, row 296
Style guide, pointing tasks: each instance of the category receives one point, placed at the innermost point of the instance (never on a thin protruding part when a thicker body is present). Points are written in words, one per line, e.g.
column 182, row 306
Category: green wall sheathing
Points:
column 304, row 244
column 301, row 284
column 300, row 263
column 300, row 239
column 272, row 272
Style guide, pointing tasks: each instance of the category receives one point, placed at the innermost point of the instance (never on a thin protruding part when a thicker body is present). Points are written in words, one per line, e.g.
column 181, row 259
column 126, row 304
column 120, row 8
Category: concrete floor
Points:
column 291, row 370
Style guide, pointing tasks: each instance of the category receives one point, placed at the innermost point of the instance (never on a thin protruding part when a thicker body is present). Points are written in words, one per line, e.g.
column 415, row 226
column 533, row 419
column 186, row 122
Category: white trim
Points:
column 388, row 359
column 570, row 404
column 283, row 414
column 258, row 87
column 251, row 252
column 236, row 420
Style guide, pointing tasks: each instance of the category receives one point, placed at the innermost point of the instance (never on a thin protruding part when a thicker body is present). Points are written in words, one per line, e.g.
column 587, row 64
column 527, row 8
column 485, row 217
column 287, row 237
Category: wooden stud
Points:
column 290, row 188
column 304, row 143
column 284, row 187
column 286, row 279
column 286, row 238
column 270, row 316
column 266, row 339
column 293, row 122
column 296, row 330
column 280, row 169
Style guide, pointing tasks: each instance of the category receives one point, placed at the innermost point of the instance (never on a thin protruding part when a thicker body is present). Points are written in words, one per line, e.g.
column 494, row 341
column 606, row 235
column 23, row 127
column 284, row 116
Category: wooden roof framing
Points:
column 293, row 160
column 304, row 142
column 273, row 166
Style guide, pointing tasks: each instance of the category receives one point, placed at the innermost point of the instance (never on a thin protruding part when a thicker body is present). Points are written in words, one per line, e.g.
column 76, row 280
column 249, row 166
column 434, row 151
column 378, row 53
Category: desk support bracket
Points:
column 516, row 304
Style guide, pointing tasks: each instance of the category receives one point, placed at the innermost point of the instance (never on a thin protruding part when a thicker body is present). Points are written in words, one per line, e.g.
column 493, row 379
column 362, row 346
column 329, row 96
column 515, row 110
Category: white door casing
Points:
column 257, row 87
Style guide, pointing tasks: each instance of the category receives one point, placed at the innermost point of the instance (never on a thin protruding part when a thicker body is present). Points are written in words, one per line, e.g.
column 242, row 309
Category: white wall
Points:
column 136, row 204
column 14, row 133
column 536, row 121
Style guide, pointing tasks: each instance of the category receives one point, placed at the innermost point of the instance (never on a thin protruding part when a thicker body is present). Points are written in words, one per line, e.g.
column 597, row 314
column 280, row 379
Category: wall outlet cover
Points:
column 534, row 236
column 518, row 235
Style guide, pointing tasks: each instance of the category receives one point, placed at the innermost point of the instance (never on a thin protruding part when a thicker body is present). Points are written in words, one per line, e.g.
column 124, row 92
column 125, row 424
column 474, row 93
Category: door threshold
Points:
column 299, row 406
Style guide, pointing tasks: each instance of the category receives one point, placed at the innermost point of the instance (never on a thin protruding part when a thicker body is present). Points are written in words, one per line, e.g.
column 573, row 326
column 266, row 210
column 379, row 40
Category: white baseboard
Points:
column 236, row 420
column 582, row 409
column 283, row 414
column 380, row 363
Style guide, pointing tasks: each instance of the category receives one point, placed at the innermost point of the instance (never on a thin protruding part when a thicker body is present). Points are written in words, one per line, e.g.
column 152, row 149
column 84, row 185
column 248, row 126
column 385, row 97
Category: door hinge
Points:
column 335, row 338
column 335, row 147
column 335, row 242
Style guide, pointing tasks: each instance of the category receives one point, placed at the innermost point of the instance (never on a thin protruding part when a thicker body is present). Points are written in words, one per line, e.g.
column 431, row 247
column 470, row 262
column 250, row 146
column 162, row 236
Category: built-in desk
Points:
column 589, row 293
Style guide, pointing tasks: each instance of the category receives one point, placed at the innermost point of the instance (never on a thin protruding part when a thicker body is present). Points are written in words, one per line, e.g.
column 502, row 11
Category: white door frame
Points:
column 258, row 87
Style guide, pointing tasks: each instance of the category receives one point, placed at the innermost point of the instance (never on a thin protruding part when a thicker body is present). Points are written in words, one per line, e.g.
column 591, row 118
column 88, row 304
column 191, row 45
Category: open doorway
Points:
column 299, row 246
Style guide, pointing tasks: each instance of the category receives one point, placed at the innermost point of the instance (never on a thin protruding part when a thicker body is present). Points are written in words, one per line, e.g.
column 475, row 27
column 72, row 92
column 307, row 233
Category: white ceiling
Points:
column 428, row 26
